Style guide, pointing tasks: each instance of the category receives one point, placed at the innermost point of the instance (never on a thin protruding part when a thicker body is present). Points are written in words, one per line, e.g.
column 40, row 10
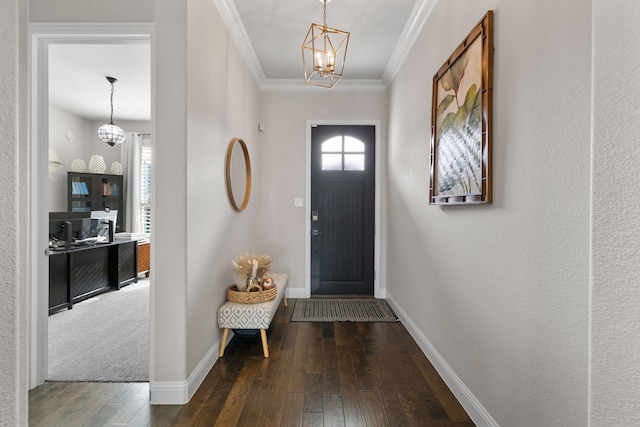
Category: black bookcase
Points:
column 88, row 192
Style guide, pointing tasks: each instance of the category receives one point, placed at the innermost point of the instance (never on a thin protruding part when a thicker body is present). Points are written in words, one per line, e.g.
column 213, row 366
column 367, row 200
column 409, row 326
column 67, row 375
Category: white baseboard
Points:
column 296, row 293
column 302, row 293
column 469, row 402
column 181, row 392
column 168, row 392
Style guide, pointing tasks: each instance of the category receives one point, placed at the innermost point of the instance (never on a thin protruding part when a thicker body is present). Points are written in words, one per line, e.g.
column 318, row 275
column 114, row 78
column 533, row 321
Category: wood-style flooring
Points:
column 318, row 374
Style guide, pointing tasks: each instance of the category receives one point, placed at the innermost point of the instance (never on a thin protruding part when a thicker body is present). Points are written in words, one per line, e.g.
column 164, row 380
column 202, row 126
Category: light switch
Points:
column 298, row 202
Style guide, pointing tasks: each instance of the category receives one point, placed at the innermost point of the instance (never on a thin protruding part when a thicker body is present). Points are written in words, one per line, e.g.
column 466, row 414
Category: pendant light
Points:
column 324, row 51
column 110, row 133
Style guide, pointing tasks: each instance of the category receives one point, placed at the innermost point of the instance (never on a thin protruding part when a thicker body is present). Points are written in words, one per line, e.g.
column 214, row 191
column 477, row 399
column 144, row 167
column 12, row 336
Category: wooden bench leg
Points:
column 265, row 348
column 223, row 342
column 285, row 300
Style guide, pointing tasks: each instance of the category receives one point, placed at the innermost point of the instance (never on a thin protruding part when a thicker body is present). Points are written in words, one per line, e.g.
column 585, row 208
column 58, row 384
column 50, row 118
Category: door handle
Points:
column 316, row 232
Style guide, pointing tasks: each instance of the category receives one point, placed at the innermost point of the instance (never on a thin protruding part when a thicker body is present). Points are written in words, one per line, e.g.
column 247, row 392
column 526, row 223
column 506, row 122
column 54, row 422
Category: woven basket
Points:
column 251, row 296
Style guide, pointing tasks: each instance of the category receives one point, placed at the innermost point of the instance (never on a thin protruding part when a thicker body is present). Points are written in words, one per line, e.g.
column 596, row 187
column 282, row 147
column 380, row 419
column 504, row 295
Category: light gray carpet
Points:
column 342, row 310
column 104, row 338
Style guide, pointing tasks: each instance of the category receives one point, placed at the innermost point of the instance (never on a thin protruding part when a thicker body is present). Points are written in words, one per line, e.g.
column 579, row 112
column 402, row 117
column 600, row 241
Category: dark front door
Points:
column 342, row 209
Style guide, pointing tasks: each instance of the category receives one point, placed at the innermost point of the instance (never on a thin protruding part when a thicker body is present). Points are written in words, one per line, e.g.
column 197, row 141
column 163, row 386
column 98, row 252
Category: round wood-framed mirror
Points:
column 238, row 173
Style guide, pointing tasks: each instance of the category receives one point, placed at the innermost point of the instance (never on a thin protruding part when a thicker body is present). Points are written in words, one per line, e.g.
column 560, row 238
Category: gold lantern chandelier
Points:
column 324, row 51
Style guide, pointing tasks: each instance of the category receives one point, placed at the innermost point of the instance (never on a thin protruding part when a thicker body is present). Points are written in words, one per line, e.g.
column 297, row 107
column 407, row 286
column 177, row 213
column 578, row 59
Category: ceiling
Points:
column 78, row 84
column 269, row 34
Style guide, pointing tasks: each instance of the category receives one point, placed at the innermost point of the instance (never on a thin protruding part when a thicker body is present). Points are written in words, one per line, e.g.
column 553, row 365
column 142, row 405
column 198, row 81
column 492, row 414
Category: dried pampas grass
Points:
column 252, row 266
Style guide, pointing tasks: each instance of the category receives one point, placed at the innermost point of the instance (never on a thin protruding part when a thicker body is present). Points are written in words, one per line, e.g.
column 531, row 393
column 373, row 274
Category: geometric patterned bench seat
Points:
column 233, row 315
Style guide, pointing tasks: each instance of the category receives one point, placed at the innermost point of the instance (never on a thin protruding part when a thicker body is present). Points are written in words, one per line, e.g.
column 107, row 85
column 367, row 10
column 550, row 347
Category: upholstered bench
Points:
column 233, row 315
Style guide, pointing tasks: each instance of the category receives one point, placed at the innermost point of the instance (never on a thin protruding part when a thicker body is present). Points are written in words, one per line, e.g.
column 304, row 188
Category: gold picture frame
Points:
column 461, row 122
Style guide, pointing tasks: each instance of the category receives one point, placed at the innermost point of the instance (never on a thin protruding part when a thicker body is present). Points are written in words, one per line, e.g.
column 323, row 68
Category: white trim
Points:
column 417, row 19
column 92, row 32
column 168, row 392
column 378, row 287
column 469, row 402
column 41, row 35
column 296, row 293
column 181, row 392
column 344, row 85
column 200, row 372
column 38, row 223
column 232, row 20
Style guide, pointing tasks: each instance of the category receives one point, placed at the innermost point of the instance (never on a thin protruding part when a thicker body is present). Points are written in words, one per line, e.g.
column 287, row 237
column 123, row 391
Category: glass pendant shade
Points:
column 324, row 51
column 111, row 134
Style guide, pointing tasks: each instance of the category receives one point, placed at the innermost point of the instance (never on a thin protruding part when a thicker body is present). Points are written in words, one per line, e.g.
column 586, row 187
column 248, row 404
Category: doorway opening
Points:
column 44, row 36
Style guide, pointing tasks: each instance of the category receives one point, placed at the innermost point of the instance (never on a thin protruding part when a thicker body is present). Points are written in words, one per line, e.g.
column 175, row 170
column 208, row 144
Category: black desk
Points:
column 81, row 272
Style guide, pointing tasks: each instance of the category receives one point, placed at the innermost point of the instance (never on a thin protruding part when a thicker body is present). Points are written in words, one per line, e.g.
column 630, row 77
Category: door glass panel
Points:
column 354, row 162
column 334, row 144
column 353, row 145
column 335, row 157
column 331, row 162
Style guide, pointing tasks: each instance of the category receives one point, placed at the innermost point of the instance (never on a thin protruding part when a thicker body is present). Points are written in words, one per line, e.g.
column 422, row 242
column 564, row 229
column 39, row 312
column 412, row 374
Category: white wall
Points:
column 67, row 149
column 169, row 321
column 91, row 11
column 82, row 145
column 502, row 291
column 222, row 103
column 14, row 197
column 283, row 165
column 204, row 98
column 615, row 312
column 507, row 284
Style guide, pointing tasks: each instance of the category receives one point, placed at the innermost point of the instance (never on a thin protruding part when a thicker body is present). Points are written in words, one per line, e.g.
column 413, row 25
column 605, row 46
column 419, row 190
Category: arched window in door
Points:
column 343, row 153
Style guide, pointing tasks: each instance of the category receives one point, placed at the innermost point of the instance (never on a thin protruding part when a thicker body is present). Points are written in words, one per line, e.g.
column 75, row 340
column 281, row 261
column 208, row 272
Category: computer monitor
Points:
column 104, row 218
column 80, row 223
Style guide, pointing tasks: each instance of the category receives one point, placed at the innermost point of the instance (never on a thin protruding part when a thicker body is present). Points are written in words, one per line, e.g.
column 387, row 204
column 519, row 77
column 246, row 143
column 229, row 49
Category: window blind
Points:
column 145, row 186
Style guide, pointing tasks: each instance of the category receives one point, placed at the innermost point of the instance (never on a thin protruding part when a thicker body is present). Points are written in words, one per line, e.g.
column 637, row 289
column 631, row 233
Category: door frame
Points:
column 378, row 290
column 41, row 35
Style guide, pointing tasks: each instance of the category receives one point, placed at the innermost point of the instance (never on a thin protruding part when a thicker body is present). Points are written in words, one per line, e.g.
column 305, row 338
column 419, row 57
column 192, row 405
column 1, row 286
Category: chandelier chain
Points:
column 111, row 122
column 324, row 12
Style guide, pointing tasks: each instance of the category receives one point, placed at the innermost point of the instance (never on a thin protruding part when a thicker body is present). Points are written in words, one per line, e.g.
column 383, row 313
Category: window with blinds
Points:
column 145, row 186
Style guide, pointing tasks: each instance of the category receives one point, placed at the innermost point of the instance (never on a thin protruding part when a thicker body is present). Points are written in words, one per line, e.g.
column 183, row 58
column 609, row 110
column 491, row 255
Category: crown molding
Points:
column 239, row 35
column 344, row 85
column 417, row 19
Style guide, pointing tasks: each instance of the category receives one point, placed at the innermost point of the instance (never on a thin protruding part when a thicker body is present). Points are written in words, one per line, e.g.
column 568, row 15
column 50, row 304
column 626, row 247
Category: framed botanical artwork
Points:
column 461, row 118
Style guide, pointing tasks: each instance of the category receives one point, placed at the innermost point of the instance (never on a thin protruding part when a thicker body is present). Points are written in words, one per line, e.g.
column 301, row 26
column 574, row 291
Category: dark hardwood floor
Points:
column 318, row 374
